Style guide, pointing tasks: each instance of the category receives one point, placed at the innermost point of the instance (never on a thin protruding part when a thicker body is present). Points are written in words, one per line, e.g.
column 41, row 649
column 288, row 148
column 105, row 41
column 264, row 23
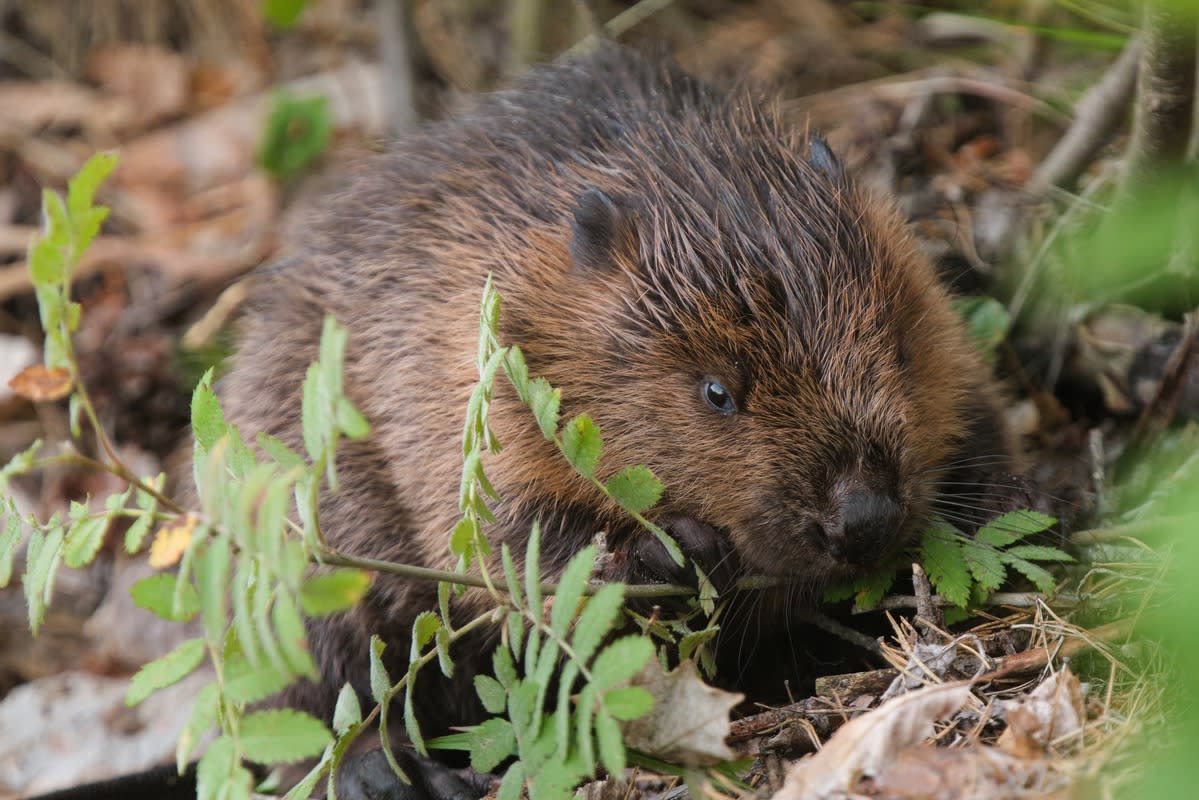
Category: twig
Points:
column 1038, row 658
column 396, row 46
column 1007, row 599
column 1096, row 116
column 842, row 631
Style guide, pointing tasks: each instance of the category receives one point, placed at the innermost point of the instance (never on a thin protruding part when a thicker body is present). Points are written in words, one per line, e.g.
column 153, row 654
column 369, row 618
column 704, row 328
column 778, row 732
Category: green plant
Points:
column 298, row 130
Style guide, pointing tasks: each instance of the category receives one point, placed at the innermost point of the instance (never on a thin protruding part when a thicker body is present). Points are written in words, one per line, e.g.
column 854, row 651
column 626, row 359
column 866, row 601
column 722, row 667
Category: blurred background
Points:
column 999, row 128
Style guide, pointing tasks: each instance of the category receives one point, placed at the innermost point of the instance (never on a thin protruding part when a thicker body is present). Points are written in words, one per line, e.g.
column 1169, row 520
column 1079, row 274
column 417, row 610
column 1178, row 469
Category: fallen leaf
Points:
column 171, row 541
column 39, row 383
column 689, row 721
column 1053, row 712
column 865, row 746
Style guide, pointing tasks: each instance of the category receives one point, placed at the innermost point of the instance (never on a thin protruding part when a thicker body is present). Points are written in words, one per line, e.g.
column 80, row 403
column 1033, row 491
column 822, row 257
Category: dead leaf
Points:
column 153, row 80
column 171, row 541
column 958, row 773
column 40, row 383
column 866, row 745
column 1053, row 712
column 689, row 721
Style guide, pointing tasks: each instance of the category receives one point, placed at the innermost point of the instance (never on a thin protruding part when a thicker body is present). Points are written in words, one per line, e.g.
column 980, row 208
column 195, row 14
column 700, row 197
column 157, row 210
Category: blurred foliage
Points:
column 297, row 131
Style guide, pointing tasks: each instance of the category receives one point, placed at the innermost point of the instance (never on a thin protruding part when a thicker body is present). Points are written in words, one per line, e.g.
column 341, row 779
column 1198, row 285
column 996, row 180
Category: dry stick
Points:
column 1096, row 116
column 396, row 46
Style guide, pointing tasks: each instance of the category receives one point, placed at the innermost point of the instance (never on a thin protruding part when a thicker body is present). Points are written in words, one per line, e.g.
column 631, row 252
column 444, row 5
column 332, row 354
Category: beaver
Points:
column 700, row 277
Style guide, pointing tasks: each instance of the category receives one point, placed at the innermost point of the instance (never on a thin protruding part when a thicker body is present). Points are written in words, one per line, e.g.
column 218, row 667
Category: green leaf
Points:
column 214, row 769
column 517, row 372
column 629, row 702
column 283, row 455
column 351, row 421
column 695, row 639
column 510, row 576
column 1034, row 552
column 424, row 627
column 282, row 735
column 494, row 698
column 942, row 559
column 985, row 564
column 544, row 401
column 298, row 129
column 42, row 557
column 334, row 591
column 202, row 718
column 533, row 571
column 156, row 594
column 380, row 681
column 283, row 13
column 135, row 535
column 598, row 617
column 10, row 539
column 81, row 189
column 870, row 589
column 249, row 683
column 620, row 661
column 293, row 638
column 582, row 445
column 444, row 660
column 1042, row 579
column 611, row 745
column 491, row 743
column 348, row 711
column 987, row 320
column 502, row 666
column 635, row 489
column 84, row 540
column 513, row 783
column 554, row 780
column 212, row 575
column 571, row 586
column 1013, row 526
column 208, row 420
column 165, row 671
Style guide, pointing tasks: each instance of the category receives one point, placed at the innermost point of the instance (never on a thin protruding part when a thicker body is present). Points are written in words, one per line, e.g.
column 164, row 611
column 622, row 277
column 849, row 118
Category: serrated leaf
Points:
column 553, row 780
column 214, row 769
column 249, row 683
column 283, row 455
column 611, row 746
column 165, row 671
column 985, row 565
column 582, row 445
column 494, row 698
column 870, row 589
column 620, row 661
column 629, row 702
column 1013, row 526
column 490, row 743
column 208, row 420
column 135, row 535
column 533, row 571
column 561, row 717
column 1035, row 552
column 442, row 641
column 334, row 591
column 10, row 539
column 635, row 488
column 84, row 541
column 172, row 541
column 696, row 639
column 517, row 372
column 348, row 711
column 424, row 627
column 942, row 559
column 212, row 576
column 411, row 725
column 202, row 718
column 544, row 401
column 1041, row 578
column 351, row 421
column 512, row 784
column 571, row 586
column 598, row 617
column 293, row 638
column 502, row 666
column 42, row 557
column 81, row 189
column 380, row 681
column 156, row 594
column 282, row 735
column 510, row 576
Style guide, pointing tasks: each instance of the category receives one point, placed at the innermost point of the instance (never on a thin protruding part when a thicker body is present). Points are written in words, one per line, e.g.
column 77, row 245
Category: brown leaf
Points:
column 39, row 383
column 1054, row 712
column 689, row 721
column 866, row 745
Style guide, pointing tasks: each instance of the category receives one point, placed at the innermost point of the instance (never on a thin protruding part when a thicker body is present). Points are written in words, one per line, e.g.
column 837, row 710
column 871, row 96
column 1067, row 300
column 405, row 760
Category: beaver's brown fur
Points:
column 648, row 235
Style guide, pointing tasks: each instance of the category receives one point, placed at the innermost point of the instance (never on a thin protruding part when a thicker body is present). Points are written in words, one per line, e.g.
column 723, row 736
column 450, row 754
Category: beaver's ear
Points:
column 603, row 232
column 824, row 161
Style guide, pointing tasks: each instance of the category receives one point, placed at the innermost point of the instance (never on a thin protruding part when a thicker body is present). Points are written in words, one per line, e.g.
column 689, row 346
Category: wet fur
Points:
column 718, row 245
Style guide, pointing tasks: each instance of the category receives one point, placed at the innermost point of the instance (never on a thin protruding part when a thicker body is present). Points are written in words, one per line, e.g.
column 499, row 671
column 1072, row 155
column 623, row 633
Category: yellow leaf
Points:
column 171, row 541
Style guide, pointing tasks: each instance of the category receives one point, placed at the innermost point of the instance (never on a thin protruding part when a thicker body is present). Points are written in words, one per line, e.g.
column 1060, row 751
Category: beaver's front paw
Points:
column 701, row 544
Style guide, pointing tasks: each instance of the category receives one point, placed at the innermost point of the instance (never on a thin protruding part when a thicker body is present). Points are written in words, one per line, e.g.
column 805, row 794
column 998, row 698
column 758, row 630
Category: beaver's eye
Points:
column 719, row 397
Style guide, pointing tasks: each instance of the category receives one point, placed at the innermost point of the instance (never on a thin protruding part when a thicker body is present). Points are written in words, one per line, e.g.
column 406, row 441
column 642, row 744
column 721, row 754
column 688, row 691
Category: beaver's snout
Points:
column 865, row 527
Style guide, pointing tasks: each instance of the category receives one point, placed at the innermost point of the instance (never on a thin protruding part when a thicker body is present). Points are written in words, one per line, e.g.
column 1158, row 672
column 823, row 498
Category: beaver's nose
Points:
column 868, row 524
